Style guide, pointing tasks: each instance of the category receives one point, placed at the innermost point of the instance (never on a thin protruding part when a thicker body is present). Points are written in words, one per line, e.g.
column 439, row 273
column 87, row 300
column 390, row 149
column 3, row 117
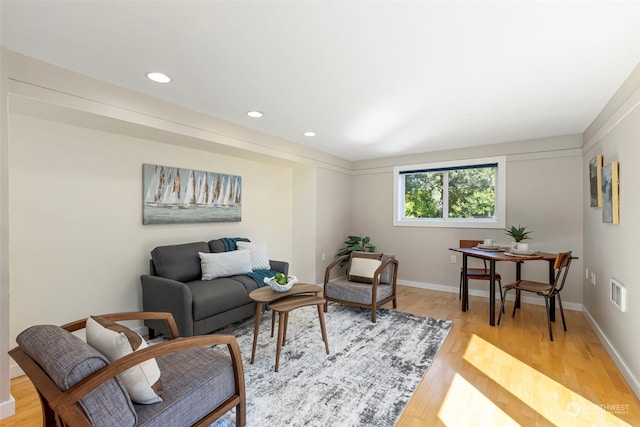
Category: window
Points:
column 467, row 193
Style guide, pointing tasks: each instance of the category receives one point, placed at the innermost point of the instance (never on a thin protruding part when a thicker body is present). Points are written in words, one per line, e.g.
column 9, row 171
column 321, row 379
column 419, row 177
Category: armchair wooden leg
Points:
column 241, row 414
column 326, row 306
column 395, row 302
column 373, row 314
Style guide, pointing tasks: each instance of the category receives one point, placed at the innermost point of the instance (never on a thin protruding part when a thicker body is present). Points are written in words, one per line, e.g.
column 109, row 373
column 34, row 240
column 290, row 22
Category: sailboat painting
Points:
column 177, row 196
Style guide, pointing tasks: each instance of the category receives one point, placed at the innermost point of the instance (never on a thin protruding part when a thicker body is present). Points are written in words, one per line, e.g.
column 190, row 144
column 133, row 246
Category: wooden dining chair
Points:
column 547, row 290
column 477, row 273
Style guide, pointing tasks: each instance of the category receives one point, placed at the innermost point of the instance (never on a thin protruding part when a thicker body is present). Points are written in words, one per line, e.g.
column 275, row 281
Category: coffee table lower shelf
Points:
column 300, row 295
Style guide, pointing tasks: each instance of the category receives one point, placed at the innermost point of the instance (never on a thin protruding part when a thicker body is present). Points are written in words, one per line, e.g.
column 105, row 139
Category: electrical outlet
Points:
column 453, row 259
column 593, row 278
column 586, row 273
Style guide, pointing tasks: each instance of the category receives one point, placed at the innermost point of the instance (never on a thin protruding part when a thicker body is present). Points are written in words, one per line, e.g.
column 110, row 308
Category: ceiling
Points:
column 370, row 78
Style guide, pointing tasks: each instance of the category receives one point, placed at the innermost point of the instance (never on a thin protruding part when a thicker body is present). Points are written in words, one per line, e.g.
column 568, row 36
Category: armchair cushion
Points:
column 114, row 341
column 208, row 367
column 67, row 360
column 363, row 265
column 355, row 292
column 386, row 276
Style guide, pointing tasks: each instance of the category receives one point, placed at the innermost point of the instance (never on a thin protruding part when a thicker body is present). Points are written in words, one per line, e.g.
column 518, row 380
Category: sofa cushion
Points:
column 363, row 265
column 67, row 360
column 216, row 296
column 196, row 381
column 114, row 341
column 259, row 256
column 216, row 245
column 179, row 262
column 224, row 264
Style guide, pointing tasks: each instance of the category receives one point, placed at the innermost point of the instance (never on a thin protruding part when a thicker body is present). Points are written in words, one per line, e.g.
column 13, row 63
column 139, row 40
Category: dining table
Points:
column 494, row 255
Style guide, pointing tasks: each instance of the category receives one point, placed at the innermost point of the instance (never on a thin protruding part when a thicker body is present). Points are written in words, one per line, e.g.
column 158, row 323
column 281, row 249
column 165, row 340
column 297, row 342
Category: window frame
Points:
column 501, row 194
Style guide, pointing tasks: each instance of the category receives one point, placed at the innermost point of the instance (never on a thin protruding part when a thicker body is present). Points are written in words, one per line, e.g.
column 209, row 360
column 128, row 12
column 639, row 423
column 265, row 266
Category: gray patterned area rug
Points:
column 367, row 380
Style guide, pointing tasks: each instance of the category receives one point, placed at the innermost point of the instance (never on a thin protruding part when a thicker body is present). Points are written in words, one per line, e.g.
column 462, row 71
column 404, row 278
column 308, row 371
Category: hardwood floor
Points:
column 505, row 375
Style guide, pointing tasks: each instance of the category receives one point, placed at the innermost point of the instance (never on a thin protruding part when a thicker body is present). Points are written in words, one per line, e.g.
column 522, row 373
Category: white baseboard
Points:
column 15, row 370
column 634, row 382
column 7, row 408
column 482, row 293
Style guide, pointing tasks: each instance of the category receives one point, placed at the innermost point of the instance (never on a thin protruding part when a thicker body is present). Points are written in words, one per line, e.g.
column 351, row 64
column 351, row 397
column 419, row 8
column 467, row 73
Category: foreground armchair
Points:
column 78, row 386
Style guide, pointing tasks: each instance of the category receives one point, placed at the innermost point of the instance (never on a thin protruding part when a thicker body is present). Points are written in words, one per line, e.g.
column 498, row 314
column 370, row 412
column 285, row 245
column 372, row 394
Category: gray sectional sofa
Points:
column 198, row 306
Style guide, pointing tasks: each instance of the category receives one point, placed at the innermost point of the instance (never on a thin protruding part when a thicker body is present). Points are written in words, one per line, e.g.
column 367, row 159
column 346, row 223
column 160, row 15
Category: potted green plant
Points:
column 356, row 243
column 518, row 233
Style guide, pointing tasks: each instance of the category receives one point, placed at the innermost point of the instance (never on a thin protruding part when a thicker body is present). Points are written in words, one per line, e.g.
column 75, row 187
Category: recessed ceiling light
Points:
column 309, row 134
column 254, row 114
column 158, row 77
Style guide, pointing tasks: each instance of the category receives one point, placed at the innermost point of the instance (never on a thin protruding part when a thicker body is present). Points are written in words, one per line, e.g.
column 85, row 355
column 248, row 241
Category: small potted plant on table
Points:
column 518, row 234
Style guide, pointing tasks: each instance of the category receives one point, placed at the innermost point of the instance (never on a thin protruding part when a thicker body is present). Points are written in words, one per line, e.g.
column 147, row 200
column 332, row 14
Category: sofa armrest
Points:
column 281, row 266
column 160, row 294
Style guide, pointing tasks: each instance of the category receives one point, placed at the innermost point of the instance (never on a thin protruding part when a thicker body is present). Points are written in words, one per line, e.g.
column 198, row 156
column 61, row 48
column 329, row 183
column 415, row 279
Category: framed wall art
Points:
column 610, row 207
column 595, row 181
column 175, row 195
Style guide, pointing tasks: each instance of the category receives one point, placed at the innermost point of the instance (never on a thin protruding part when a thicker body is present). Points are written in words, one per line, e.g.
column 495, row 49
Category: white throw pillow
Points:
column 259, row 256
column 224, row 264
column 139, row 380
column 362, row 269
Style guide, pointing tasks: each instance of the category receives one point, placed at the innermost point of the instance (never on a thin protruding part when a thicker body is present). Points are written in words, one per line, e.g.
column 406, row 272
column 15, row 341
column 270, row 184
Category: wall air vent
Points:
column 618, row 295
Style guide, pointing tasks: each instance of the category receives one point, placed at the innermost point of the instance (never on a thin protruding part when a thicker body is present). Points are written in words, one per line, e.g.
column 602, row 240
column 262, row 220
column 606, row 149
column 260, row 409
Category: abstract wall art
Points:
column 175, row 195
column 595, row 181
column 610, row 206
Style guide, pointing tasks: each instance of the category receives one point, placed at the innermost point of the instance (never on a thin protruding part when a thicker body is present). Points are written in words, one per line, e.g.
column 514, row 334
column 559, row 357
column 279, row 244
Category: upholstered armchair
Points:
column 80, row 386
column 370, row 281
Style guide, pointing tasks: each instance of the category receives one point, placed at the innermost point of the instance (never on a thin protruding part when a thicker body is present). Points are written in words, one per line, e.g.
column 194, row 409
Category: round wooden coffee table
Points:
column 267, row 295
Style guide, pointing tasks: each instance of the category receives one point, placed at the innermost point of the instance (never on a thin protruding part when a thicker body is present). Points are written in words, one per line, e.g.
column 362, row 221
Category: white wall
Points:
column 334, row 216
column 76, row 150
column 544, row 192
column 7, row 403
column 78, row 245
column 612, row 251
column 304, row 216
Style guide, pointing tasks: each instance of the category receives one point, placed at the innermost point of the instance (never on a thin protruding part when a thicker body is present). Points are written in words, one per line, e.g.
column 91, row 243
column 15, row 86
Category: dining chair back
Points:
column 547, row 290
column 477, row 273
